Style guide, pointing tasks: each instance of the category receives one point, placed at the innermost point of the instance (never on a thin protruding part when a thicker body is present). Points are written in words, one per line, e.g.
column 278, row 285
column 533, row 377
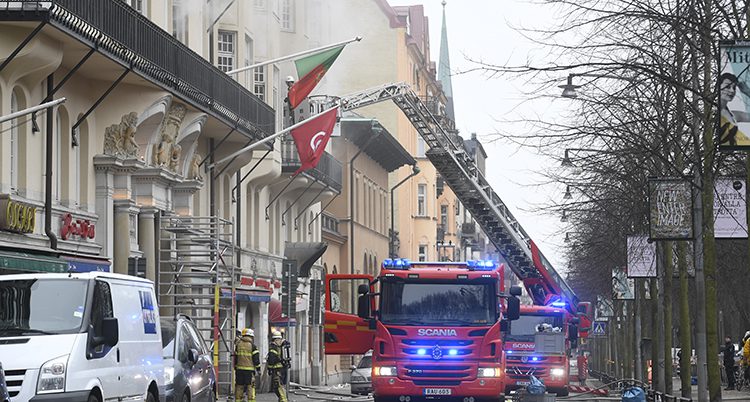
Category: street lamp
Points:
column 569, row 90
column 567, row 194
column 391, row 233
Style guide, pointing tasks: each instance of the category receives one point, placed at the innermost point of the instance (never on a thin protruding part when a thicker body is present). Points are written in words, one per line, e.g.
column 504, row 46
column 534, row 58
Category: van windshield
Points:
column 41, row 306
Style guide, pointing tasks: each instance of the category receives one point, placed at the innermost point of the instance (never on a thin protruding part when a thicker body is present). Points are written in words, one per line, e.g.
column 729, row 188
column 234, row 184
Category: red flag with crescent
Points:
column 312, row 137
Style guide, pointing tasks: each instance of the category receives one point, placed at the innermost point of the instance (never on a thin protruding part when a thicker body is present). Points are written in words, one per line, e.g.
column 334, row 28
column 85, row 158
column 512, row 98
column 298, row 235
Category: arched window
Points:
column 67, row 160
column 14, row 144
column 84, row 162
column 57, row 155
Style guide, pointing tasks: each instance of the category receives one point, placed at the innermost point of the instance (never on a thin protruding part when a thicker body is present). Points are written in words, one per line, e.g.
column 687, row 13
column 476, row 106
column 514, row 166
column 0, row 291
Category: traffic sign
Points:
column 599, row 328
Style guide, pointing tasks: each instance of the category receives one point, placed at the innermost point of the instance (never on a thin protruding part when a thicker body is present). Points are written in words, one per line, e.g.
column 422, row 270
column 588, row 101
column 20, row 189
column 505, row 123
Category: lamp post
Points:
column 391, row 233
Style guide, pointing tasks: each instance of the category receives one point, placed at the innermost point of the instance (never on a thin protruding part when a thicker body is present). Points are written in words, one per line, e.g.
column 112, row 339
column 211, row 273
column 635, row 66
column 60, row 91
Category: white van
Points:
column 80, row 337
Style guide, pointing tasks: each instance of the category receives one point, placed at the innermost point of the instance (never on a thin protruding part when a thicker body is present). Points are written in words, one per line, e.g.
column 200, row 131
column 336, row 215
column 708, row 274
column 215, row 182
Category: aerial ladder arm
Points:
column 461, row 173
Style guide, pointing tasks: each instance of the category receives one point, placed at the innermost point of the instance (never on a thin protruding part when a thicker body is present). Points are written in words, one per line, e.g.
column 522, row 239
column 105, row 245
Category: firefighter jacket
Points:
column 248, row 356
column 275, row 358
column 746, row 352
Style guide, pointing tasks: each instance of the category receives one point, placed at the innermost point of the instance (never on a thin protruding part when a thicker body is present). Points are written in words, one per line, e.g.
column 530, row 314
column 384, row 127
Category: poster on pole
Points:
column 733, row 122
column 641, row 257
column 603, row 309
column 623, row 288
column 730, row 220
column 670, row 208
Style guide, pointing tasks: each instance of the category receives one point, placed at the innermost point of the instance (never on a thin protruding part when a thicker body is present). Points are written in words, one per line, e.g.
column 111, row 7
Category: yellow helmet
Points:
column 248, row 332
column 275, row 335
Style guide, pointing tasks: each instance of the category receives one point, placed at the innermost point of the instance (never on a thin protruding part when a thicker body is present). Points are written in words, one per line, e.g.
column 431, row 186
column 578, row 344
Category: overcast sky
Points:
column 483, row 30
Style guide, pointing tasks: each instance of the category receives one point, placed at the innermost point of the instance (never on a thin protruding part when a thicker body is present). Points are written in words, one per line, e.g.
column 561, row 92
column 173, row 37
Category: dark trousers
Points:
column 730, row 374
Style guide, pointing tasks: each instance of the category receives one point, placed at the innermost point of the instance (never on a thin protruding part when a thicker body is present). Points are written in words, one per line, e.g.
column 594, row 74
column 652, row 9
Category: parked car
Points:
column 361, row 375
column 82, row 336
column 188, row 371
column 4, row 395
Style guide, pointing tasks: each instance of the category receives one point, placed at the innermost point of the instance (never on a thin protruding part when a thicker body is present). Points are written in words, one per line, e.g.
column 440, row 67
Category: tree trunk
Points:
column 685, row 341
column 667, row 291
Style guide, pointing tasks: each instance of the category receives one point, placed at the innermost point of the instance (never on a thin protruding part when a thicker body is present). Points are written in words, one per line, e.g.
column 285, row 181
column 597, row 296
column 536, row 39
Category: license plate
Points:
column 437, row 391
column 522, row 382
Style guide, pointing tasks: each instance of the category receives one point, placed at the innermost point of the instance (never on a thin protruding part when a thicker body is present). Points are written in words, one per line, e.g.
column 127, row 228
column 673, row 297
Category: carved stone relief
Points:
column 119, row 139
column 168, row 151
column 195, row 168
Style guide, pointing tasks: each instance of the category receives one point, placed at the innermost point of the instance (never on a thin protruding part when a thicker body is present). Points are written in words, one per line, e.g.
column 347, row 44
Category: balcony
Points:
column 119, row 32
column 329, row 171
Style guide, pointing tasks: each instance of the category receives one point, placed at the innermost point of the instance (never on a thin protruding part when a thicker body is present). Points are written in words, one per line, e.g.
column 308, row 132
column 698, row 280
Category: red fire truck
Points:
column 549, row 362
column 435, row 328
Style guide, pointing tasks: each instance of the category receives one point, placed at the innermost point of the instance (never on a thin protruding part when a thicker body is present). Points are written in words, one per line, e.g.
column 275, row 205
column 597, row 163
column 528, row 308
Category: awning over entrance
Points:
column 24, row 262
column 255, row 296
column 77, row 264
column 274, row 315
column 305, row 254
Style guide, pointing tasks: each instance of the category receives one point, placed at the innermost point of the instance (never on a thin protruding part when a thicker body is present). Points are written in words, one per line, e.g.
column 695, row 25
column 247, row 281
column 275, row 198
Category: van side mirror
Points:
column 193, row 356
column 110, row 333
column 513, row 312
column 363, row 305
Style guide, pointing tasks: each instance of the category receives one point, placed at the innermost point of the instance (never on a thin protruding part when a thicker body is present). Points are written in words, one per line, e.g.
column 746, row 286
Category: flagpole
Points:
column 269, row 138
column 293, row 56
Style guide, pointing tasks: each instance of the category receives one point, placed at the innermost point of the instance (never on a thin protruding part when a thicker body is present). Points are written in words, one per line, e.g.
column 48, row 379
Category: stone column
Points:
column 122, row 235
column 147, row 239
column 105, row 191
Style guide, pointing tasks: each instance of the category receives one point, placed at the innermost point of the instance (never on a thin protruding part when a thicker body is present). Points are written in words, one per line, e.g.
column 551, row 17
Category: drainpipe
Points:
column 392, row 234
column 48, row 174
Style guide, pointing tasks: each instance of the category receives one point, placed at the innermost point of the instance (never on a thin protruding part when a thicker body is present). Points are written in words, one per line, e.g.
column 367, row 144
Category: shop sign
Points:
column 17, row 216
column 78, row 227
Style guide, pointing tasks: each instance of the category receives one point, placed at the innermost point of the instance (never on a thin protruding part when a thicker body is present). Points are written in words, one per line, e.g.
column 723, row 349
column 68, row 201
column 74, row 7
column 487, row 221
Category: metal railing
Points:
column 329, row 171
column 119, row 31
column 329, row 223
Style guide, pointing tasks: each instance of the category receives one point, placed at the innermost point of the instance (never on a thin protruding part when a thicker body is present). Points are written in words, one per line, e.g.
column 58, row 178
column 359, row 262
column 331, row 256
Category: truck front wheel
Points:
column 562, row 391
column 383, row 399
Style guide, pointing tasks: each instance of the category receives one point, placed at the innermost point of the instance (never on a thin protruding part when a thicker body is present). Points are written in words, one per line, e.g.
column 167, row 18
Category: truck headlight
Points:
column 384, row 371
column 557, row 372
column 489, row 372
column 52, row 376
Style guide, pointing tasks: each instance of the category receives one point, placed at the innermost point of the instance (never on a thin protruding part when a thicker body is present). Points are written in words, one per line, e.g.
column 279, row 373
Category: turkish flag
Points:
column 311, row 138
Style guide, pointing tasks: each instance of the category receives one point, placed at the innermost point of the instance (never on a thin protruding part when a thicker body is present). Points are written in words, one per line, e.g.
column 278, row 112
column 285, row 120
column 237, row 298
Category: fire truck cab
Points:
column 435, row 328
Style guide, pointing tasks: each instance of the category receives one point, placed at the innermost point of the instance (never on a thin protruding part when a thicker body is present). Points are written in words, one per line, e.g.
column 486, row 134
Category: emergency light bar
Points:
column 479, row 265
column 396, row 263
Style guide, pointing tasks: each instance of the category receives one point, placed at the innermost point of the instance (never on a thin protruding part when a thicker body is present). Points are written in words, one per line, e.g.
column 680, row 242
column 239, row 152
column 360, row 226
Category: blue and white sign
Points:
column 149, row 315
column 599, row 328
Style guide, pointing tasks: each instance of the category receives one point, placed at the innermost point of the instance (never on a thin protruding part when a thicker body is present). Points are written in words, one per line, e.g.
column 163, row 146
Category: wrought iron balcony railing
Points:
column 329, row 170
column 132, row 40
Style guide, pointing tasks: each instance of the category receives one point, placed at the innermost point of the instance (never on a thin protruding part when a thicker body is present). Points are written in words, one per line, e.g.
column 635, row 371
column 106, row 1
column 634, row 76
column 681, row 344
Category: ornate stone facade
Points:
column 167, row 153
column 119, row 139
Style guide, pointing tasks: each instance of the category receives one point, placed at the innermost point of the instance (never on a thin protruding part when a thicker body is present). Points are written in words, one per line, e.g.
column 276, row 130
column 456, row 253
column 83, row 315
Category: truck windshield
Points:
column 458, row 304
column 41, row 306
column 526, row 325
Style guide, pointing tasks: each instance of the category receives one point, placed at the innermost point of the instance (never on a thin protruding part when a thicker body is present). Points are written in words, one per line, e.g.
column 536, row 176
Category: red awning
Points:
column 274, row 315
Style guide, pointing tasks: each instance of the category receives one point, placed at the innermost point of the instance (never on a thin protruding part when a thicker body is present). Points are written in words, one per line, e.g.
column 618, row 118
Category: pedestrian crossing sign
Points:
column 599, row 328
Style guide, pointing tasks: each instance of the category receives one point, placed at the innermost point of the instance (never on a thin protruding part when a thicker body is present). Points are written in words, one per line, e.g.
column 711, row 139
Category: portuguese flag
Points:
column 310, row 71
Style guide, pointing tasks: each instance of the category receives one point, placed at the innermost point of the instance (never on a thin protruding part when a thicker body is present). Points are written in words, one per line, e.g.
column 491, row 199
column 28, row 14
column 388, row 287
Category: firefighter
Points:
column 246, row 364
column 583, row 368
column 275, row 363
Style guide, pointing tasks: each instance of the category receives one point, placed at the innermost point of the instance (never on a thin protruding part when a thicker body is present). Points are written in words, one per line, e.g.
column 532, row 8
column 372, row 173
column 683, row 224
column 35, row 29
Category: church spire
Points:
column 444, row 68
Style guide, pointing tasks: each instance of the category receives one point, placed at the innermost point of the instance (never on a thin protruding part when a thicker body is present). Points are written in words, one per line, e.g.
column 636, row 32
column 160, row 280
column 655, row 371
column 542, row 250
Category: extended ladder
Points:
column 458, row 169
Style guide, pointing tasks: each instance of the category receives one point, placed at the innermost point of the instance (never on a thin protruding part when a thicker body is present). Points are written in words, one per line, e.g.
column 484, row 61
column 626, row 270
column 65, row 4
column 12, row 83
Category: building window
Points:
column 422, row 252
column 14, row 144
column 226, row 51
column 415, row 73
column 276, row 98
column 287, row 15
column 57, row 155
column 259, row 85
column 444, row 216
column 179, row 20
column 422, row 200
column 138, row 5
column 420, row 146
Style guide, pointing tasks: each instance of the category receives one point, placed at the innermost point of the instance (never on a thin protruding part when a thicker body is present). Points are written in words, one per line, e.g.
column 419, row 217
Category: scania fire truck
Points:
column 550, row 362
column 435, row 328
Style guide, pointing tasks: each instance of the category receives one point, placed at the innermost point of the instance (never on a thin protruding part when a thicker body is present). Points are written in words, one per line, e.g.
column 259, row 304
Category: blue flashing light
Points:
column 422, row 351
column 480, row 265
column 396, row 263
column 534, row 359
column 453, row 352
column 558, row 303
column 510, row 352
